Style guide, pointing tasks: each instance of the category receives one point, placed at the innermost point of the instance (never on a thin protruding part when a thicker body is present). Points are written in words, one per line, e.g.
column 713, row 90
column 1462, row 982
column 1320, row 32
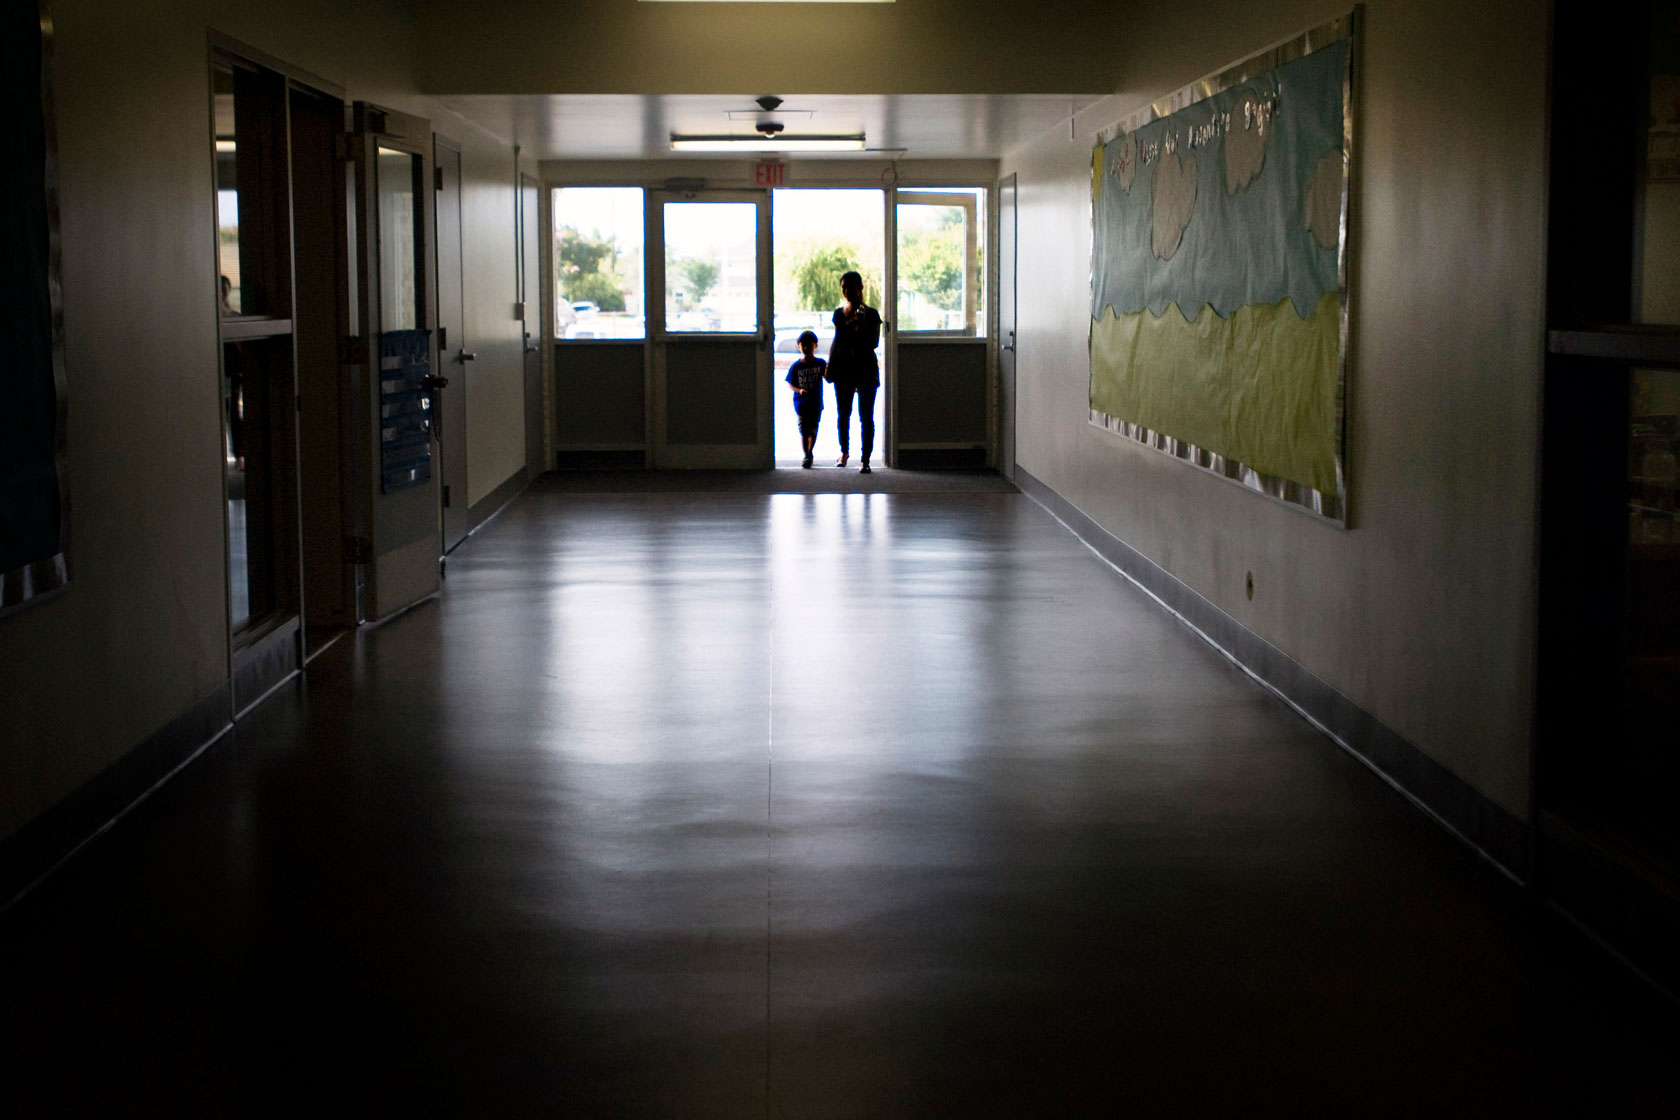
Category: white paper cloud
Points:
column 1173, row 201
column 1323, row 210
column 1124, row 164
column 1245, row 144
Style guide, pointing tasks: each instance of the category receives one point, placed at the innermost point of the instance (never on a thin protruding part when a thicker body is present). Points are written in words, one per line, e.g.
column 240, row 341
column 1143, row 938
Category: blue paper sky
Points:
column 1249, row 248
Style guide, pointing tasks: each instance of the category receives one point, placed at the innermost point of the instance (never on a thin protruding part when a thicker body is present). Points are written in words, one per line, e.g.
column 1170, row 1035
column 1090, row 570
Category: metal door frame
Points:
column 454, row 520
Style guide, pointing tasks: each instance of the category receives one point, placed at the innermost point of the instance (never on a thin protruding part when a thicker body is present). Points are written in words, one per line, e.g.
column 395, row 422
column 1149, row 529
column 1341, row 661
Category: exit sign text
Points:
column 771, row 173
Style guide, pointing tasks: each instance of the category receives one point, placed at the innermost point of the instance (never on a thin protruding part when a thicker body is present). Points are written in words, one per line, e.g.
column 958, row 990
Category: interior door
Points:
column 450, row 397
column 1006, row 328
column 394, row 360
column 530, row 284
column 710, row 324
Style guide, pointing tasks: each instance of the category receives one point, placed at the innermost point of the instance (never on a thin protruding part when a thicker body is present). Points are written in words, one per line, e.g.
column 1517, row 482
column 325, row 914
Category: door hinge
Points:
column 341, row 145
column 358, row 550
column 446, row 496
column 437, row 178
column 352, row 350
column 443, row 341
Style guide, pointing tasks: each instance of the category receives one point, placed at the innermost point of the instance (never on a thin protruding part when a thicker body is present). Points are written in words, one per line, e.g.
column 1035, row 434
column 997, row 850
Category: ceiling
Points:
column 631, row 126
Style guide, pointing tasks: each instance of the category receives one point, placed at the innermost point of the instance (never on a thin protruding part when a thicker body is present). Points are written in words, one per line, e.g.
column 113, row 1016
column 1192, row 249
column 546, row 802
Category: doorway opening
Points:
column 818, row 234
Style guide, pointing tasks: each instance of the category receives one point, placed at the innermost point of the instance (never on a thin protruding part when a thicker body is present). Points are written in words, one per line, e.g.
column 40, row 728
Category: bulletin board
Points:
column 34, row 506
column 1219, row 297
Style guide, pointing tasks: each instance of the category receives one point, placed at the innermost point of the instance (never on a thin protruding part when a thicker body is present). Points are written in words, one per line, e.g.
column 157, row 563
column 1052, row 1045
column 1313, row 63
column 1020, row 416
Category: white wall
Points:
column 142, row 633
column 1422, row 612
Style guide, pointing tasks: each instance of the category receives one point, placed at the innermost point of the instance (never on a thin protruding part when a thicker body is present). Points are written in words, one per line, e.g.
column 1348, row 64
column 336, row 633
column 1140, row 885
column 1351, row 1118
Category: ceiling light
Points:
column 785, row 142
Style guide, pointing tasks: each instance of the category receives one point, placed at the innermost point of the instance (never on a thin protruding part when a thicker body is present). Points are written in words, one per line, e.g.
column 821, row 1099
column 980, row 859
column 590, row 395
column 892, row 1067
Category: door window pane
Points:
column 251, row 215
column 1644, row 773
column 253, row 283
column 399, row 240
column 1657, row 221
column 227, row 195
column 941, row 261
column 711, row 266
column 598, row 271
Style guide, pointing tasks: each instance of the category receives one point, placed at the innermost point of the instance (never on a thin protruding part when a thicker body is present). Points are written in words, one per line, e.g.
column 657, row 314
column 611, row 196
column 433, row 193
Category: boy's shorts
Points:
column 810, row 421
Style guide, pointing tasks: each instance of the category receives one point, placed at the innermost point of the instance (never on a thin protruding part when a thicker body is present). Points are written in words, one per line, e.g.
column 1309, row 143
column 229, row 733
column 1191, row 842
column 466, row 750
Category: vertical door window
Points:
column 1646, row 764
column 711, row 267
column 399, row 240
column 598, row 274
column 1610, row 524
column 1656, row 295
column 941, row 261
column 253, row 254
column 227, row 194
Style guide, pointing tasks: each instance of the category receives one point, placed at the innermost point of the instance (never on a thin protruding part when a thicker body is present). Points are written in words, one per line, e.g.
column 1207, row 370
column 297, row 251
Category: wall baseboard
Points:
column 37, row 849
column 491, row 504
column 265, row 664
column 1488, row 828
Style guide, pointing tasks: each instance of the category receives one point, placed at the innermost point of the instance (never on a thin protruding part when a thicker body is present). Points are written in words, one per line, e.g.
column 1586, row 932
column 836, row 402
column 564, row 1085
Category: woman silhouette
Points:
column 852, row 366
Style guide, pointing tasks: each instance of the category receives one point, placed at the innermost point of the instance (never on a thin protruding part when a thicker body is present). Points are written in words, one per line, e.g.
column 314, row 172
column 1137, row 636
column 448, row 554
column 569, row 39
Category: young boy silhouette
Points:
column 806, row 377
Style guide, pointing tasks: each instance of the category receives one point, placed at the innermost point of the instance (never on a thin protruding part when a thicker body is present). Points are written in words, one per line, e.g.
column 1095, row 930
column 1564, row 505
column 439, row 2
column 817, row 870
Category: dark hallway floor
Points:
column 852, row 805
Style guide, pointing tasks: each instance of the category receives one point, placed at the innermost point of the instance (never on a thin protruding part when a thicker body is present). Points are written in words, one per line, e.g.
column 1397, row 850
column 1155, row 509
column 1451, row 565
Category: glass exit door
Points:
column 709, row 323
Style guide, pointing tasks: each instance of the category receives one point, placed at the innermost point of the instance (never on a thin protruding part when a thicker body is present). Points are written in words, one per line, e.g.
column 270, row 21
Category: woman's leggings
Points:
column 866, row 415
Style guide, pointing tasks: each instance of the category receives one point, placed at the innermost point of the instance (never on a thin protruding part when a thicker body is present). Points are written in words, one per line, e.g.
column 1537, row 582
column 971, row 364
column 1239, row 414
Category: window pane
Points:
column 1657, row 233
column 1643, row 768
column 399, row 242
column 711, row 266
column 941, row 261
column 598, row 263
column 227, row 196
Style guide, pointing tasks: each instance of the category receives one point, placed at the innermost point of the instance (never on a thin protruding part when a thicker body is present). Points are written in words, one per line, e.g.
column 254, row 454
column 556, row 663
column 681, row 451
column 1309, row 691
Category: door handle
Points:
column 434, row 383
column 464, row 355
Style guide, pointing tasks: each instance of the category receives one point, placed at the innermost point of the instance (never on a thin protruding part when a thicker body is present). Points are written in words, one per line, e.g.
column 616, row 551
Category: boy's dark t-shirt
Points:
column 807, row 376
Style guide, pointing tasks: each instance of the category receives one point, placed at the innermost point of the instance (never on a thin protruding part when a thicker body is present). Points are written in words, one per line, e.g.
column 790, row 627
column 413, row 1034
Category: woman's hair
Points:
column 810, row 336
column 854, row 277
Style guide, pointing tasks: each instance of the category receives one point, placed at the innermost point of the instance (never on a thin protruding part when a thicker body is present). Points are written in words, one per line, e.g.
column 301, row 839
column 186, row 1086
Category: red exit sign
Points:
column 771, row 173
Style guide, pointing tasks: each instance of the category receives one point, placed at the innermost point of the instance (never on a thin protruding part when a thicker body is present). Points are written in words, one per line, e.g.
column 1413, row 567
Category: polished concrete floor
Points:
column 850, row 805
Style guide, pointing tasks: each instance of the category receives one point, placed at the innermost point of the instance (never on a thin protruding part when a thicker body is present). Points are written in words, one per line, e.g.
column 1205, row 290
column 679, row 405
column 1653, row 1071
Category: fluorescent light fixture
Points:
column 783, row 142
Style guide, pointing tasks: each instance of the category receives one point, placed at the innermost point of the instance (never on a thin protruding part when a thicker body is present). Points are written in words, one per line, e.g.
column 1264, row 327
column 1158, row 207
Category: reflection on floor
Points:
column 733, row 804
column 785, row 479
